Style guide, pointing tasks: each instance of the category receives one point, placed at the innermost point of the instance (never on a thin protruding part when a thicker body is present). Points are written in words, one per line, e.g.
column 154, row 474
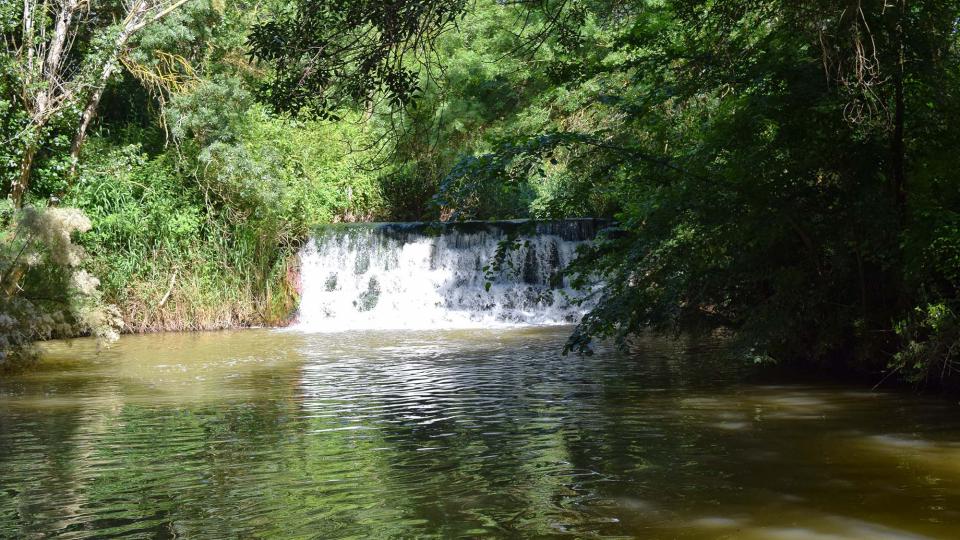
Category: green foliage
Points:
column 328, row 54
column 211, row 224
column 197, row 197
column 46, row 292
column 487, row 88
column 931, row 342
column 754, row 190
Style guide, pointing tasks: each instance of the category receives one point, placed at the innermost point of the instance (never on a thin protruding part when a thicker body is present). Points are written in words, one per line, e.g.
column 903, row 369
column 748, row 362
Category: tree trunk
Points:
column 130, row 26
column 19, row 187
column 61, row 33
column 89, row 113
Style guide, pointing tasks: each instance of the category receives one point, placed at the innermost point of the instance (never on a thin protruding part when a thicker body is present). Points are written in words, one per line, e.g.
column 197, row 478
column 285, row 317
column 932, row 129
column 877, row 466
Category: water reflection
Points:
column 469, row 433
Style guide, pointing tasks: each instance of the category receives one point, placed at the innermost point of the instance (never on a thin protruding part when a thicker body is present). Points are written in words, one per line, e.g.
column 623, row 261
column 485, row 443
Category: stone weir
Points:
column 437, row 275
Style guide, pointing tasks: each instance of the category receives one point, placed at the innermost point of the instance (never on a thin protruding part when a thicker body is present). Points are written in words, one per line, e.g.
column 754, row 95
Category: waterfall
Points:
column 422, row 276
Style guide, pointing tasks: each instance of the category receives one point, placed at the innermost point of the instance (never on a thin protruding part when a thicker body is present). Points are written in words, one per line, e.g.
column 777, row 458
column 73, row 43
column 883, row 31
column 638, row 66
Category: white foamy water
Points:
column 396, row 276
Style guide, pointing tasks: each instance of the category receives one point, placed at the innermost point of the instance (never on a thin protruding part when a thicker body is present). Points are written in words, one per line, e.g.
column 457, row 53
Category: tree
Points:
column 329, row 53
column 53, row 78
column 779, row 169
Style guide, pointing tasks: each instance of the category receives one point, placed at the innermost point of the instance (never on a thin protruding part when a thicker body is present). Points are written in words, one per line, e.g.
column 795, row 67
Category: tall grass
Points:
column 202, row 239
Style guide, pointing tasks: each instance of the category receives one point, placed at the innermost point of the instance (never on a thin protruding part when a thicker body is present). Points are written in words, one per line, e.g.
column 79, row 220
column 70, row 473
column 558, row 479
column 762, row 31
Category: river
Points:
column 458, row 433
column 422, row 393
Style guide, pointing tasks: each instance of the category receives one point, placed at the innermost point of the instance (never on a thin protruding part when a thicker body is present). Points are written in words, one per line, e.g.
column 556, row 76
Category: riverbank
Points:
column 206, row 297
column 197, row 299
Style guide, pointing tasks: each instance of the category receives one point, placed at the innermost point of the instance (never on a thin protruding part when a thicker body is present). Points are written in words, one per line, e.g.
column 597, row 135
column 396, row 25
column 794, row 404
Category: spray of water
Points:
column 413, row 276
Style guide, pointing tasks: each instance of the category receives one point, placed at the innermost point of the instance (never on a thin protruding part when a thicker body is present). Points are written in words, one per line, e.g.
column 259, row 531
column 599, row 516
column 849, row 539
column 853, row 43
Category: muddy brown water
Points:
column 279, row 434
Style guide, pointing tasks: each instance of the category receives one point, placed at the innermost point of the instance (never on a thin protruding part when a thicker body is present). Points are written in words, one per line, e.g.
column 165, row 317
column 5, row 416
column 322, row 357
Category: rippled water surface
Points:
column 267, row 434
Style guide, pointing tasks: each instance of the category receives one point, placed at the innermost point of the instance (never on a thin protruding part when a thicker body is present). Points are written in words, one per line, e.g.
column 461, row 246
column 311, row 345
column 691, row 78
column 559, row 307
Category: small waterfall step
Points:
column 431, row 275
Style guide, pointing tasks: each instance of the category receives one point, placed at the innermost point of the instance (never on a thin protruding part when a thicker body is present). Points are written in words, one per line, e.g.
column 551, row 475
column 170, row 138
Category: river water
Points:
column 460, row 433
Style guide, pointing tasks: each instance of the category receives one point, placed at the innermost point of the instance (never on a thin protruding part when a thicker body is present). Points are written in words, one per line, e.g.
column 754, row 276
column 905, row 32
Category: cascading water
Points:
column 420, row 276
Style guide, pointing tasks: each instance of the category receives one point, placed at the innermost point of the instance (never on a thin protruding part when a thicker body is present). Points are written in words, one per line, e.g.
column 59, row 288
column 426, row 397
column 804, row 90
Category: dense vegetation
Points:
column 783, row 171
